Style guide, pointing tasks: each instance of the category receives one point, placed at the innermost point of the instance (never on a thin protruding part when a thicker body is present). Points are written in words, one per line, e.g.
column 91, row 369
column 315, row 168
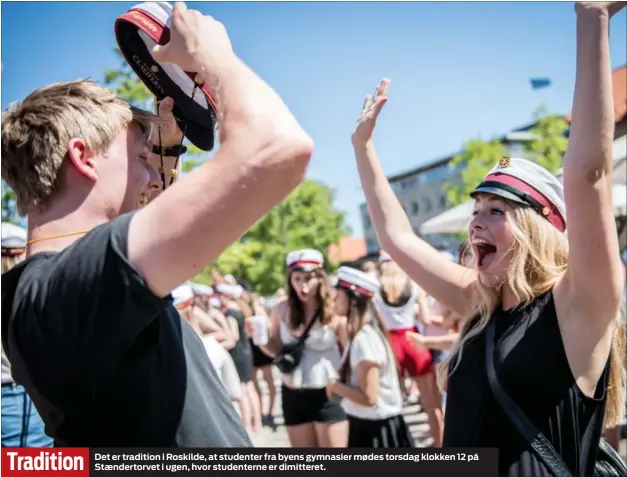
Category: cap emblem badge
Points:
column 504, row 162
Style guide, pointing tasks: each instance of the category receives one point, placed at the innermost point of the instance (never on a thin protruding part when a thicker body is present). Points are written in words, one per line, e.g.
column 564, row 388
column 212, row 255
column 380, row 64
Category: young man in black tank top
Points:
column 91, row 331
column 554, row 299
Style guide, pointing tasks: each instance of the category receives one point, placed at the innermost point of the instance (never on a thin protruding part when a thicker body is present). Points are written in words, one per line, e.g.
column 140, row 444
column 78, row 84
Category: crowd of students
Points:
column 361, row 360
column 531, row 317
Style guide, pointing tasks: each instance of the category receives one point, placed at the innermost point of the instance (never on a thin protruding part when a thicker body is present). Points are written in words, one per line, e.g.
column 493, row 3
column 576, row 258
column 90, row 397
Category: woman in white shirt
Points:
column 311, row 418
column 369, row 381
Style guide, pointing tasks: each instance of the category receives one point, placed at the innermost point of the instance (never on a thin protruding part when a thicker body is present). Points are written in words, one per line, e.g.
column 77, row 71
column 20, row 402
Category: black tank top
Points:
column 532, row 367
column 242, row 350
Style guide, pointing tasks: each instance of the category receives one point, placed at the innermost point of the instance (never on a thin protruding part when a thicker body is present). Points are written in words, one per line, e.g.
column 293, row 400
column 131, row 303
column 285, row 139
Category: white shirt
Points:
column 320, row 360
column 399, row 317
column 224, row 366
column 368, row 345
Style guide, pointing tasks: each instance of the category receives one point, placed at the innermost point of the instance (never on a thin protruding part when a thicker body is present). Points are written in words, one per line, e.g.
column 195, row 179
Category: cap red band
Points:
column 185, row 304
column 13, row 251
column 552, row 214
column 155, row 30
column 300, row 263
column 354, row 288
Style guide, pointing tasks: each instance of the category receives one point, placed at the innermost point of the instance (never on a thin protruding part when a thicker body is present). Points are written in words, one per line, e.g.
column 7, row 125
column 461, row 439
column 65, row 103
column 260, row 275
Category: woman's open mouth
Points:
column 485, row 252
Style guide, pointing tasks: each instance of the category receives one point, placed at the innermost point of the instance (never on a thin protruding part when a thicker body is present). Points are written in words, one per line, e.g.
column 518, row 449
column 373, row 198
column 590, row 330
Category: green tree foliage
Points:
column 549, row 142
column 546, row 147
column 305, row 219
column 476, row 158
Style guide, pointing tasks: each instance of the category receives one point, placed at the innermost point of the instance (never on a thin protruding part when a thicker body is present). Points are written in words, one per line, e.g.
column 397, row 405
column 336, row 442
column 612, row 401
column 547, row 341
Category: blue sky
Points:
column 458, row 70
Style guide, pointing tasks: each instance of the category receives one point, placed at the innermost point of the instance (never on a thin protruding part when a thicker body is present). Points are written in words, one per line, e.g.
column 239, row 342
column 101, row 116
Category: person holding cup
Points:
column 306, row 331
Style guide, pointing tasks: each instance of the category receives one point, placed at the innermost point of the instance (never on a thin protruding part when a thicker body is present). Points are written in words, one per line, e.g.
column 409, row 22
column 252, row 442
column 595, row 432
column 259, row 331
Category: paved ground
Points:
column 416, row 419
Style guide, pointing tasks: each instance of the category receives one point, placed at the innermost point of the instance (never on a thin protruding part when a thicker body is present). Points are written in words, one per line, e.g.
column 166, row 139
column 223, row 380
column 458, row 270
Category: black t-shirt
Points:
column 106, row 362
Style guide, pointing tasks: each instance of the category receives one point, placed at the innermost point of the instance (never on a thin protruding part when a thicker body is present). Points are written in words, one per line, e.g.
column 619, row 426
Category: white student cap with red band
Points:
column 306, row 259
column 234, row 291
column 356, row 281
column 384, row 257
column 13, row 236
column 202, row 290
column 183, row 296
column 526, row 182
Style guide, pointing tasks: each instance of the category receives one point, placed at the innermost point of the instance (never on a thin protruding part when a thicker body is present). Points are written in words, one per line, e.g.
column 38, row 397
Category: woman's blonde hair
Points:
column 537, row 261
column 393, row 281
column 9, row 261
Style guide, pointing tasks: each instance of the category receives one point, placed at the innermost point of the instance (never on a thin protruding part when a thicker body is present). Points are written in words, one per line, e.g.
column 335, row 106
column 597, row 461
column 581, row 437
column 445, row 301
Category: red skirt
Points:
column 413, row 361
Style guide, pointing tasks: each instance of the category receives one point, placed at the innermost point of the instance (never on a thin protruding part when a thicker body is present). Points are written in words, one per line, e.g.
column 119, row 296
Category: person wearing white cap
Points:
column 540, row 310
column 92, row 300
column 13, row 245
column 305, row 337
column 21, row 423
column 183, row 300
column 400, row 302
column 211, row 318
column 369, row 379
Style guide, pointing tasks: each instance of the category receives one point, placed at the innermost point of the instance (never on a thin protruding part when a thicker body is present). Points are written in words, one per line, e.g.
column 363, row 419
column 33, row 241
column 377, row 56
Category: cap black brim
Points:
column 498, row 192
column 196, row 122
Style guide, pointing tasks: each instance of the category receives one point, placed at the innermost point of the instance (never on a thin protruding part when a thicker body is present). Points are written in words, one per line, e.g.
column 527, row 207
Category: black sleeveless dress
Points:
column 241, row 353
column 531, row 364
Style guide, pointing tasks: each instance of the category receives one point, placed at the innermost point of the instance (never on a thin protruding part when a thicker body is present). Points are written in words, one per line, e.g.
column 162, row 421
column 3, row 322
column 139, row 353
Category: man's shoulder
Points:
column 21, row 280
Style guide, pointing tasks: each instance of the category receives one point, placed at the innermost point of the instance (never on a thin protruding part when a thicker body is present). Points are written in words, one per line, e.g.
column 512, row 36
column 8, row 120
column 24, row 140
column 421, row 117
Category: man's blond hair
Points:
column 36, row 132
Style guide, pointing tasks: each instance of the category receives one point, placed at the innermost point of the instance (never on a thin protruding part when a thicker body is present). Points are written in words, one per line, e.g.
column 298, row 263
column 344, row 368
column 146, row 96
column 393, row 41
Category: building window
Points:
column 443, row 202
column 436, row 174
column 414, row 208
column 427, row 204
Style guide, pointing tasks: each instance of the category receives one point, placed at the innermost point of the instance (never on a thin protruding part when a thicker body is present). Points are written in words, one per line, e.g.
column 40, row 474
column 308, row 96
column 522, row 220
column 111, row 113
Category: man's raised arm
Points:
column 263, row 156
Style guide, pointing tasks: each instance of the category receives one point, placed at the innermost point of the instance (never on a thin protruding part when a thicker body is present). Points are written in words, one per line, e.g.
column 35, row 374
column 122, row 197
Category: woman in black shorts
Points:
column 311, row 418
